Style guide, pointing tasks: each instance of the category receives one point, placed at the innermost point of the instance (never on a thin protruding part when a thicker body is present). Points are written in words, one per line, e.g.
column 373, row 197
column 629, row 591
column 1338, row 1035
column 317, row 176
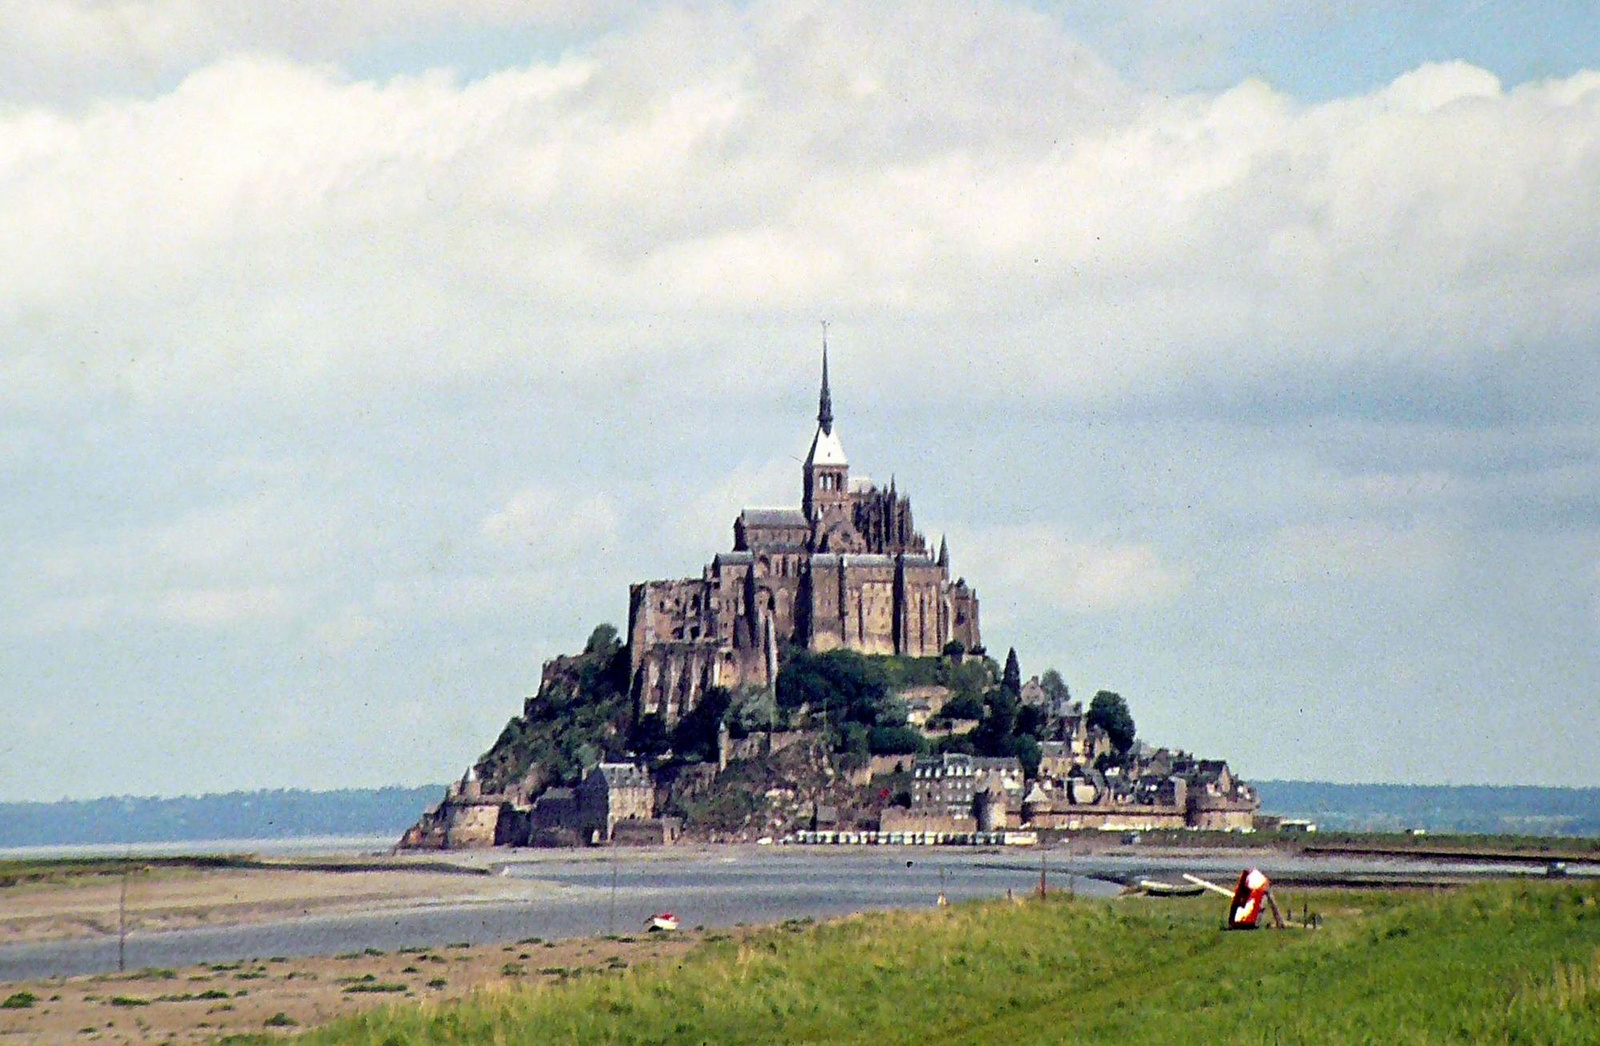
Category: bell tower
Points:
column 827, row 470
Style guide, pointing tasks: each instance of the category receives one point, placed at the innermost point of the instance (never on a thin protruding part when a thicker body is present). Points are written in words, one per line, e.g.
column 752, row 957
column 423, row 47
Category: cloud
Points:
column 553, row 522
column 220, row 608
column 345, row 631
column 420, row 369
column 1439, row 84
column 1038, row 566
column 267, row 227
column 213, row 565
column 62, row 49
column 1366, row 550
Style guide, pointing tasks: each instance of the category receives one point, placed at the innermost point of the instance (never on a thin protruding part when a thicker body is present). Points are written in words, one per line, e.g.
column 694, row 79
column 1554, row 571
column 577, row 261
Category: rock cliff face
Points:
column 579, row 717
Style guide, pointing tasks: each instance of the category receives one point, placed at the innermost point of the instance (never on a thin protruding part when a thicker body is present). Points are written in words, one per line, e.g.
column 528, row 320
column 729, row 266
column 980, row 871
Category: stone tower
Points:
column 825, row 495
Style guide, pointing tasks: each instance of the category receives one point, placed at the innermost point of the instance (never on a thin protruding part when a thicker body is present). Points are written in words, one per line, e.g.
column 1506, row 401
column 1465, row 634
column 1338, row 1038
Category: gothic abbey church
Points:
column 846, row 569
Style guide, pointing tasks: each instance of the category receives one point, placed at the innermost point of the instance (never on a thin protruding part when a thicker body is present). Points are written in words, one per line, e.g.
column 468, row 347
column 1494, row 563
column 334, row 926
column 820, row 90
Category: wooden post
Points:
column 1277, row 916
column 122, row 921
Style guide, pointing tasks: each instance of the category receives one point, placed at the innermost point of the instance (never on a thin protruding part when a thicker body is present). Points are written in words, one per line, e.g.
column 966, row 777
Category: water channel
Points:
column 588, row 896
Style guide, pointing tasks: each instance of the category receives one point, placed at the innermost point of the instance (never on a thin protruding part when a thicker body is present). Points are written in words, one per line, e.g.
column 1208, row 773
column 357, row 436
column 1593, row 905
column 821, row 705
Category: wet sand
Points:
column 202, row 1003
column 81, row 907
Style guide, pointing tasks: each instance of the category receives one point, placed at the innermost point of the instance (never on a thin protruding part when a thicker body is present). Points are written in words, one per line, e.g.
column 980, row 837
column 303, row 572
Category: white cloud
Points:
column 345, row 631
column 62, row 49
column 211, row 566
column 221, row 608
column 271, row 226
column 1437, row 85
column 1041, row 567
column 553, row 522
column 283, row 345
column 702, row 518
column 66, row 613
column 1365, row 549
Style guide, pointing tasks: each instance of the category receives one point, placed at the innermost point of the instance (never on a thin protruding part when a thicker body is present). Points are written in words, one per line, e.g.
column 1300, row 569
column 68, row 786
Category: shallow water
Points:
column 702, row 889
column 591, row 896
column 307, row 845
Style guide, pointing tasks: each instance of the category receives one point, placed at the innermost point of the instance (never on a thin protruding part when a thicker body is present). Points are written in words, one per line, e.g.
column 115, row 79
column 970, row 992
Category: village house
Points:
column 610, row 793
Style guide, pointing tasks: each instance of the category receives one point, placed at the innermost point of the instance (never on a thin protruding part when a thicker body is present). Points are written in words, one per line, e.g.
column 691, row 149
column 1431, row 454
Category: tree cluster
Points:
column 1109, row 712
column 853, row 697
column 578, row 717
column 582, row 714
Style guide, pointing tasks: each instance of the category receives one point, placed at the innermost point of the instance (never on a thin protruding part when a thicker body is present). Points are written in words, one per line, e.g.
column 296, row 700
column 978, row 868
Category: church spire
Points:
column 825, row 405
column 944, row 552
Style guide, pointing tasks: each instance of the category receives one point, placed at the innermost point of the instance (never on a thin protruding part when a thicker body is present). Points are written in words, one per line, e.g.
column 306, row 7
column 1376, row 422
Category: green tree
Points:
column 996, row 733
column 754, row 708
column 1011, row 679
column 1055, row 687
column 1028, row 753
column 580, row 711
column 649, row 736
column 603, row 641
column 896, row 740
column 1031, row 720
column 958, row 744
column 848, row 686
column 1110, row 713
column 955, row 650
column 695, row 737
column 963, row 706
column 890, row 711
column 969, row 679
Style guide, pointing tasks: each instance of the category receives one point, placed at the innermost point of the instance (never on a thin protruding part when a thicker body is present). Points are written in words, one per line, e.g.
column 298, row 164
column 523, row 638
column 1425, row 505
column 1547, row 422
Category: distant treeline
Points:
column 278, row 814
column 1487, row 809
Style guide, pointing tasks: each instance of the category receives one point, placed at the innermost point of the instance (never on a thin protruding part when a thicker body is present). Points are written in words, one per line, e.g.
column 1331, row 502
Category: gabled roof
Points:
column 773, row 517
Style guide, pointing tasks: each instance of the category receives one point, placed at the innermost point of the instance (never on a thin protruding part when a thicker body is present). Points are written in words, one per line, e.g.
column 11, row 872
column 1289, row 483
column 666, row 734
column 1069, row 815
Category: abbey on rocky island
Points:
column 847, row 569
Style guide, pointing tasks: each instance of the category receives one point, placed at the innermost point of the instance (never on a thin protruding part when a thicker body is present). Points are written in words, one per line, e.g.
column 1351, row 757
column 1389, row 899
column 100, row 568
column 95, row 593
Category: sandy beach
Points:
column 170, row 899
column 203, row 1002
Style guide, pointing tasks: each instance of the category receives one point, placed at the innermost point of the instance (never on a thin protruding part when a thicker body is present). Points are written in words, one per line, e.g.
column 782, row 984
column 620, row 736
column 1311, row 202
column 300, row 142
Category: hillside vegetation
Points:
column 581, row 712
column 1507, row 963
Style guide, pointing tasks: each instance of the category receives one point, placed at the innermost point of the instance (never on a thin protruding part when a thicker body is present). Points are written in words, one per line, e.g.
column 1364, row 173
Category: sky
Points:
column 355, row 358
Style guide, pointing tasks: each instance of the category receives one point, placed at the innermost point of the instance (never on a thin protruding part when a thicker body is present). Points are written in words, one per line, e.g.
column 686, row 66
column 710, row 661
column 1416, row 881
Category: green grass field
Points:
column 1507, row 963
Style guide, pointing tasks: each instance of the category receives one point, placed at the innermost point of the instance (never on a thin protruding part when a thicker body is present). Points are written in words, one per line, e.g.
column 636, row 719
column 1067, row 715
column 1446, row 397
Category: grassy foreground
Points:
column 1507, row 963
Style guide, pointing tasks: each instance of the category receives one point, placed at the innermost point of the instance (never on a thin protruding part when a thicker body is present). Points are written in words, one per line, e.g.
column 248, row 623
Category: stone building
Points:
column 949, row 785
column 846, row 570
column 467, row 819
column 613, row 792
